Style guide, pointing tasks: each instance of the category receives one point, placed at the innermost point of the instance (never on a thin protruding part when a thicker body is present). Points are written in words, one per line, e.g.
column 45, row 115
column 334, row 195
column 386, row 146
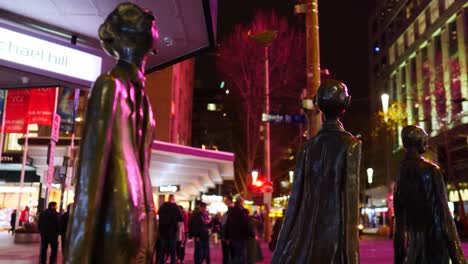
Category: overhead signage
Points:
column 44, row 55
column 284, row 118
column 169, row 188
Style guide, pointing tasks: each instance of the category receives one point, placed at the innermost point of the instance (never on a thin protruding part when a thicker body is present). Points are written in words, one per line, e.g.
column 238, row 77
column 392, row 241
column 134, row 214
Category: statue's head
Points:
column 332, row 99
column 128, row 31
column 414, row 137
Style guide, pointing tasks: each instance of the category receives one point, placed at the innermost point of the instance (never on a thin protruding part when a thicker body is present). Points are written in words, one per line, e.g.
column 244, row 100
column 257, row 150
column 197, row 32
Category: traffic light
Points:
column 256, row 186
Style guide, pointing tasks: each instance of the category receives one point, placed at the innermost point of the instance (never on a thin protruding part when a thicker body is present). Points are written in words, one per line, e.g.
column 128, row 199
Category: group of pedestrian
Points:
column 52, row 225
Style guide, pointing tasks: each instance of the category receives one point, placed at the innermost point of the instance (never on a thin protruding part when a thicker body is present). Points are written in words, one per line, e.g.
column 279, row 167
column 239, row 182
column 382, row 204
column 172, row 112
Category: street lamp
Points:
column 370, row 175
column 385, row 98
column 254, row 174
column 291, row 176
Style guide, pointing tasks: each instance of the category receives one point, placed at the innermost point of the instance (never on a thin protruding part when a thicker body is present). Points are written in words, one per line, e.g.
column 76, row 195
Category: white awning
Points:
column 194, row 169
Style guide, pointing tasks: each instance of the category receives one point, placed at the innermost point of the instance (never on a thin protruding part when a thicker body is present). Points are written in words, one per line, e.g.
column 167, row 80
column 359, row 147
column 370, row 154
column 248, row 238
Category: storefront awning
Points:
column 193, row 169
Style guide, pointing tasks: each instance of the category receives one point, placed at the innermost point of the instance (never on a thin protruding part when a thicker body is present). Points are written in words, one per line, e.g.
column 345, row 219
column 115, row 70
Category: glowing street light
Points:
column 385, row 98
column 291, row 176
column 370, row 175
column 254, row 174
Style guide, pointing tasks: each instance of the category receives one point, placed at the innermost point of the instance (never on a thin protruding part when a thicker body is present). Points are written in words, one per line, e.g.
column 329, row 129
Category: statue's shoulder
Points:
column 105, row 85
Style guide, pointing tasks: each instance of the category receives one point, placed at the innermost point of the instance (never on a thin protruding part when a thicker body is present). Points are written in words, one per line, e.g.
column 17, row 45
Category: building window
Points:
column 455, row 82
column 448, row 3
column 426, row 89
column 391, row 55
column 414, row 90
column 421, row 24
column 410, row 36
column 439, row 93
column 211, row 107
column 434, row 7
column 401, row 45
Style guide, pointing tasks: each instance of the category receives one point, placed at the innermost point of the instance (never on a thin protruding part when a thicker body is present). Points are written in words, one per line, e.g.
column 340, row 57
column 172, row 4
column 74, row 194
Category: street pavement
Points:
column 373, row 249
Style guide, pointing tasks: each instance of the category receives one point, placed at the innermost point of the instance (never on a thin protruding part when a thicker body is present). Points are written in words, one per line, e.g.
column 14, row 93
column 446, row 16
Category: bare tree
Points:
column 241, row 62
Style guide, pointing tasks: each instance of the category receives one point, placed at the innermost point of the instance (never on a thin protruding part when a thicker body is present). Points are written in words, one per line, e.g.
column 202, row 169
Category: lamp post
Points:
column 370, row 175
column 265, row 39
column 385, row 100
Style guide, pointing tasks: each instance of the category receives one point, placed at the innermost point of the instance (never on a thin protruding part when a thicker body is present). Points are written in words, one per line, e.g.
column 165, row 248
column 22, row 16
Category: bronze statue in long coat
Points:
column 321, row 220
column 113, row 215
column 424, row 228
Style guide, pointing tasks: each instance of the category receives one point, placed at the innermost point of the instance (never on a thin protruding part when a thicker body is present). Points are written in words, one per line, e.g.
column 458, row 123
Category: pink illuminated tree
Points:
column 241, row 63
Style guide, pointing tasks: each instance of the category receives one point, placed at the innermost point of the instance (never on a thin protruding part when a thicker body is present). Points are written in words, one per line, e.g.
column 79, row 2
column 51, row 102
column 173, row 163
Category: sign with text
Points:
column 284, row 118
column 169, row 188
column 55, row 128
column 41, row 54
column 17, row 106
column 67, row 107
column 41, row 105
column 50, row 162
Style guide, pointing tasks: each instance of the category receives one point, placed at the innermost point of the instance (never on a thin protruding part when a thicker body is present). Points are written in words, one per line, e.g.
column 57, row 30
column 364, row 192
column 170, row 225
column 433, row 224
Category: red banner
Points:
column 17, row 106
column 41, row 106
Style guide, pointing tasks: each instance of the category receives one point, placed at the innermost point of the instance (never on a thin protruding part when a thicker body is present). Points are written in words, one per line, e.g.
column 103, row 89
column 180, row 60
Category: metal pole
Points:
column 313, row 63
column 2, row 133
column 23, row 171
column 53, row 116
column 267, row 196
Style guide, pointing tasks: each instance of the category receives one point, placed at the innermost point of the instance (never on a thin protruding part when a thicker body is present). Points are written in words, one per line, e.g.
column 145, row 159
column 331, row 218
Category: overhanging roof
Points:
column 194, row 169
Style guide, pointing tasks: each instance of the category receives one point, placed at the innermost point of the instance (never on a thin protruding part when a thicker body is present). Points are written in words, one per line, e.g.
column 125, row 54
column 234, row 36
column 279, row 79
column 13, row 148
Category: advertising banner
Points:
column 41, row 105
column 67, row 107
column 2, row 103
column 17, row 105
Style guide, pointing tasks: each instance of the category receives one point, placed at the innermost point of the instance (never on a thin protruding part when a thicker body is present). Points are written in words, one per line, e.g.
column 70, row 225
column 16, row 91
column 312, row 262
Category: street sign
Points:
column 55, row 127
column 50, row 162
column 169, row 188
column 284, row 118
column 267, row 187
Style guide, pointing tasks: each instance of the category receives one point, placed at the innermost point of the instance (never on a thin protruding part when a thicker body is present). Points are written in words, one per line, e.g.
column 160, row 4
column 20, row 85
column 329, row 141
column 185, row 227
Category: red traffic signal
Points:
column 258, row 184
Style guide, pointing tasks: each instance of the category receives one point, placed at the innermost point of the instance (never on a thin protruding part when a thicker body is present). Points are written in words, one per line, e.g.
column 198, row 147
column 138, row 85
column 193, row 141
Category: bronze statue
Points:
column 113, row 215
column 322, row 216
column 424, row 228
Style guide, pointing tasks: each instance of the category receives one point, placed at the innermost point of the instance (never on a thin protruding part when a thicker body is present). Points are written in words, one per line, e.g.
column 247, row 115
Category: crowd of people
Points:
column 237, row 229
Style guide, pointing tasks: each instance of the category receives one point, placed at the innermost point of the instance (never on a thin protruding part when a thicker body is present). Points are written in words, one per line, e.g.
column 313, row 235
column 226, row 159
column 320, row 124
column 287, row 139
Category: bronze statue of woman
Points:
column 322, row 216
column 113, row 214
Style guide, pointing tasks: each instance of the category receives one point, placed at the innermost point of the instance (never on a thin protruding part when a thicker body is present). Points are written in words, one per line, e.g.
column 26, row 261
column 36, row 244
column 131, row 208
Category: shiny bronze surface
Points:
column 424, row 228
column 322, row 216
column 113, row 215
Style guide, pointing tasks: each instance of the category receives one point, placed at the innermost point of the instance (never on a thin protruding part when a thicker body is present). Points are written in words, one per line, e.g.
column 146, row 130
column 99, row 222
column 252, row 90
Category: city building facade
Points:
column 419, row 57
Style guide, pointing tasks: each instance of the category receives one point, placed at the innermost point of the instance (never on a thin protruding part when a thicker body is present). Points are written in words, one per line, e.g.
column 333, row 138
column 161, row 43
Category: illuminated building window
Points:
column 421, row 24
column 211, row 107
column 410, row 36
column 391, row 55
column 448, row 3
column 434, row 7
column 455, row 74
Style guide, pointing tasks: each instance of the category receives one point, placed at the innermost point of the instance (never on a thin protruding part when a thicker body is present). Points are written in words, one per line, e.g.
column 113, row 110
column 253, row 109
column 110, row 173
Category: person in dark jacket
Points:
column 169, row 218
column 226, row 247
column 12, row 222
column 199, row 228
column 63, row 227
column 238, row 231
column 49, row 227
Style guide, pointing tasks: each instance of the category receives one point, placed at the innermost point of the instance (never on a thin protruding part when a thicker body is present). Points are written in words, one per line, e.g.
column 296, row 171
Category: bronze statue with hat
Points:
column 321, row 220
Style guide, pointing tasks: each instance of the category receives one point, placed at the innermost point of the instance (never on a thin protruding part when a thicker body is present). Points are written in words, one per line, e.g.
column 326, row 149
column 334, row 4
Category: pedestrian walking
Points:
column 225, row 243
column 182, row 234
column 49, row 227
column 199, row 228
column 169, row 218
column 238, row 231
column 63, row 227
column 276, row 231
column 12, row 222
